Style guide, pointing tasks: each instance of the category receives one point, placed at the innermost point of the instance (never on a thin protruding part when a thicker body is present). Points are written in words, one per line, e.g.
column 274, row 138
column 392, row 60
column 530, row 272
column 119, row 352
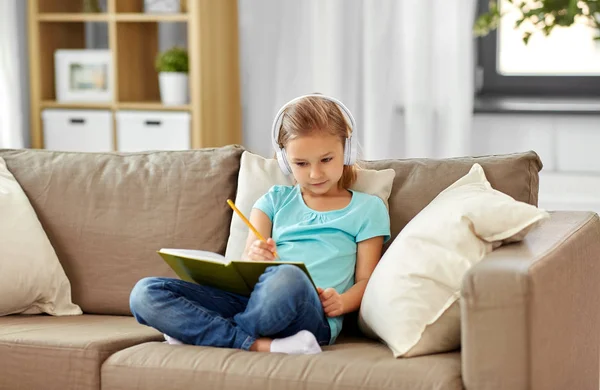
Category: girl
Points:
column 337, row 232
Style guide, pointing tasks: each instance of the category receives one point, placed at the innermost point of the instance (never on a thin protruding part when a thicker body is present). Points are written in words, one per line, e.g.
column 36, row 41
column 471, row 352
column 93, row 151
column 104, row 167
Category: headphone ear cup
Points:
column 283, row 163
column 348, row 152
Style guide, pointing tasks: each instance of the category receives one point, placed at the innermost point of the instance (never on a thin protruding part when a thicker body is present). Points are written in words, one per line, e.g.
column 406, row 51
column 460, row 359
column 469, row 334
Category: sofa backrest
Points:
column 418, row 181
column 107, row 214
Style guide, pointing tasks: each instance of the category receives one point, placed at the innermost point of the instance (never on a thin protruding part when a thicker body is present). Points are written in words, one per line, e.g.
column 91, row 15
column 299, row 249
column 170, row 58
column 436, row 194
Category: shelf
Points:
column 103, row 17
column 83, row 105
column 141, row 17
column 157, row 106
column 134, row 39
column 73, row 17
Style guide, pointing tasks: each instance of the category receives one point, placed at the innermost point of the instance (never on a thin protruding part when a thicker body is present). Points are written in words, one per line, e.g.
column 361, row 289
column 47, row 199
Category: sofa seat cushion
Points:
column 45, row 352
column 352, row 363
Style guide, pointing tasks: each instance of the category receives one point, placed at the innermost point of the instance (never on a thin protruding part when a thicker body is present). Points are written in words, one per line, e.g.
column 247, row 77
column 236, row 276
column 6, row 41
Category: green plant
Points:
column 542, row 15
column 91, row 6
column 172, row 60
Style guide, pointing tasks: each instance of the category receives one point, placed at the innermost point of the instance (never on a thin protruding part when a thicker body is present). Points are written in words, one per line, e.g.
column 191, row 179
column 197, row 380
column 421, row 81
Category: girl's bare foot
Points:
column 262, row 344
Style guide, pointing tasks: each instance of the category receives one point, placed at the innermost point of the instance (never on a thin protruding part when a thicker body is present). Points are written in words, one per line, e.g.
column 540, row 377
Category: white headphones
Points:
column 350, row 148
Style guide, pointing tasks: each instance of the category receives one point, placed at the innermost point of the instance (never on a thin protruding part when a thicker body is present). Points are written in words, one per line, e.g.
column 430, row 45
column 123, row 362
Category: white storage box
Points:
column 78, row 130
column 152, row 130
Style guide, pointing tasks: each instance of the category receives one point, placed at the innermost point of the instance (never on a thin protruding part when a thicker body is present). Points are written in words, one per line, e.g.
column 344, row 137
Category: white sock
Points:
column 302, row 342
column 171, row 340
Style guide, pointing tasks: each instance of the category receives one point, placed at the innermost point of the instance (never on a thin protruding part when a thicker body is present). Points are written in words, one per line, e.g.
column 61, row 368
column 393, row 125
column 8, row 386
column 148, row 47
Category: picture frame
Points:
column 164, row 6
column 83, row 75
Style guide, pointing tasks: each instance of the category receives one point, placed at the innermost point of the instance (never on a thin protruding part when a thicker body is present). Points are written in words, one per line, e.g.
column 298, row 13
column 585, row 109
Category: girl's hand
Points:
column 331, row 301
column 261, row 251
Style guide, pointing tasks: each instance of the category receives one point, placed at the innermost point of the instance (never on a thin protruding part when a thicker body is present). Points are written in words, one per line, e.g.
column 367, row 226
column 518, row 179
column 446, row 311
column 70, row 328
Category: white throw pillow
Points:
column 32, row 280
column 258, row 174
column 411, row 300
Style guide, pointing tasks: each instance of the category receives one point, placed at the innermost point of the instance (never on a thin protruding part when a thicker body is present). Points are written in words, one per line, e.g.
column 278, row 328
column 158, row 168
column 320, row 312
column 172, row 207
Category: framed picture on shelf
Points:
column 83, row 75
column 164, row 6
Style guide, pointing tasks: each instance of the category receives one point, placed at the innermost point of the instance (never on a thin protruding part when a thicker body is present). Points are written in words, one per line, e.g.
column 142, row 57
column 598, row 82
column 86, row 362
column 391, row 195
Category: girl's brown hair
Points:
column 313, row 114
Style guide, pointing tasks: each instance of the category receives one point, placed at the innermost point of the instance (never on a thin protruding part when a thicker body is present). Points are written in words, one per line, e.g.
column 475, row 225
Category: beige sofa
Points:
column 530, row 317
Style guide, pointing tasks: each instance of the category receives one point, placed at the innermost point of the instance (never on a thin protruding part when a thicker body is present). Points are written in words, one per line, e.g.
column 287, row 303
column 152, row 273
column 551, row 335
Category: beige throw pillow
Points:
column 258, row 174
column 32, row 280
column 411, row 300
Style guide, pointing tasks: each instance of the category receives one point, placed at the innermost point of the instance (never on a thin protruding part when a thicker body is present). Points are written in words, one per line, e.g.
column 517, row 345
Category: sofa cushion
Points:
column 63, row 353
column 349, row 364
column 32, row 281
column 419, row 277
column 418, row 181
column 106, row 214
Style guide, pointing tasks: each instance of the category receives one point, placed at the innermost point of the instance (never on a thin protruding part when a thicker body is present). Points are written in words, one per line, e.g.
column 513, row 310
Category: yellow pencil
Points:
column 260, row 237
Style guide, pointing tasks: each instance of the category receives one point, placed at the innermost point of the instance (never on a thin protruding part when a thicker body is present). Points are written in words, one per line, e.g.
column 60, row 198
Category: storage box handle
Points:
column 152, row 123
column 80, row 121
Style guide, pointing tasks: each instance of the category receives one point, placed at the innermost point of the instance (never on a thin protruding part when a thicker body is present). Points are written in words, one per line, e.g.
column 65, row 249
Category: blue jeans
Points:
column 283, row 303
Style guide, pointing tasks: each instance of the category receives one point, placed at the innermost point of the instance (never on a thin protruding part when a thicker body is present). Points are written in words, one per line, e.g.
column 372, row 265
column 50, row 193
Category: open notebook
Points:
column 212, row 269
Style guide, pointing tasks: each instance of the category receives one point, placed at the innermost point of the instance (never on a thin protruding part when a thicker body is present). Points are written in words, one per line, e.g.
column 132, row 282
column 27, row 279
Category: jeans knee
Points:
column 140, row 298
column 286, row 280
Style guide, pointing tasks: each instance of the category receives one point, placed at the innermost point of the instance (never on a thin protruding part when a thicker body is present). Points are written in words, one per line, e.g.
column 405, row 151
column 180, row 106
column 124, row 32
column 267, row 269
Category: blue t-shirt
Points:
column 326, row 241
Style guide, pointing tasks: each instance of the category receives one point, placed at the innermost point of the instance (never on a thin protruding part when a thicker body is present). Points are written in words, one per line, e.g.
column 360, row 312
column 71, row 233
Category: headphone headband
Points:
column 350, row 145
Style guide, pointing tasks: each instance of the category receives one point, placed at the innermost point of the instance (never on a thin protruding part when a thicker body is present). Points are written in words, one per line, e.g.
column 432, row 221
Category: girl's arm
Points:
column 367, row 257
column 263, row 224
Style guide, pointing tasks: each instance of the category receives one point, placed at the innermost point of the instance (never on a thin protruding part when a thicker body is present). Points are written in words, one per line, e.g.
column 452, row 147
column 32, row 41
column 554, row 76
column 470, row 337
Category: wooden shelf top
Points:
column 156, row 106
column 82, row 105
column 104, row 17
column 142, row 17
column 73, row 17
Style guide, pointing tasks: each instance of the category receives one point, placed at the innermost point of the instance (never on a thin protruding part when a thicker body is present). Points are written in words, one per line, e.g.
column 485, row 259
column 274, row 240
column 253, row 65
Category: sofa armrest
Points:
column 530, row 311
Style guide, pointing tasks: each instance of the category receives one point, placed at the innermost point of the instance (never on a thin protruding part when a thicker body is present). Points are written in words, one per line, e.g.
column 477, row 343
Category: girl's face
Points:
column 317, row 162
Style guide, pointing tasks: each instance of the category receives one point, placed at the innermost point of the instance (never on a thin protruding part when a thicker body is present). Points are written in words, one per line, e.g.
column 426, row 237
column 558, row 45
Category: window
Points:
column 566, row 63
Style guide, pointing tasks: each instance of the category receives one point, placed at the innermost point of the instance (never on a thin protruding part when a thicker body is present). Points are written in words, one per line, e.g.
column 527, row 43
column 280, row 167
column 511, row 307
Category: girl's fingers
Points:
column 328, row 293
column 258, row 248
column 259, row 245
column 265, row 249
column 271, row 245
column 263, row 245
column 266, row 253
column 329, row 303
column 261, row 254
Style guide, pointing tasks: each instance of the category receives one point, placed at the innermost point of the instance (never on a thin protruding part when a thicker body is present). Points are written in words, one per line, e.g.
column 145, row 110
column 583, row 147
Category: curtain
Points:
column 403, row 67
column 12, row 133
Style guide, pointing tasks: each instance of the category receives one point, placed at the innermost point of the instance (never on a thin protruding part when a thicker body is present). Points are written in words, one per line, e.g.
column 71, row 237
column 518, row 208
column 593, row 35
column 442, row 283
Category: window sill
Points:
column 536, row 105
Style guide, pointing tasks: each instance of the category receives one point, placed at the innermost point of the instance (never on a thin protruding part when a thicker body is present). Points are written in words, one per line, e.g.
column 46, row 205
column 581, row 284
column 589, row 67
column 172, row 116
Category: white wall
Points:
column 568, row 146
